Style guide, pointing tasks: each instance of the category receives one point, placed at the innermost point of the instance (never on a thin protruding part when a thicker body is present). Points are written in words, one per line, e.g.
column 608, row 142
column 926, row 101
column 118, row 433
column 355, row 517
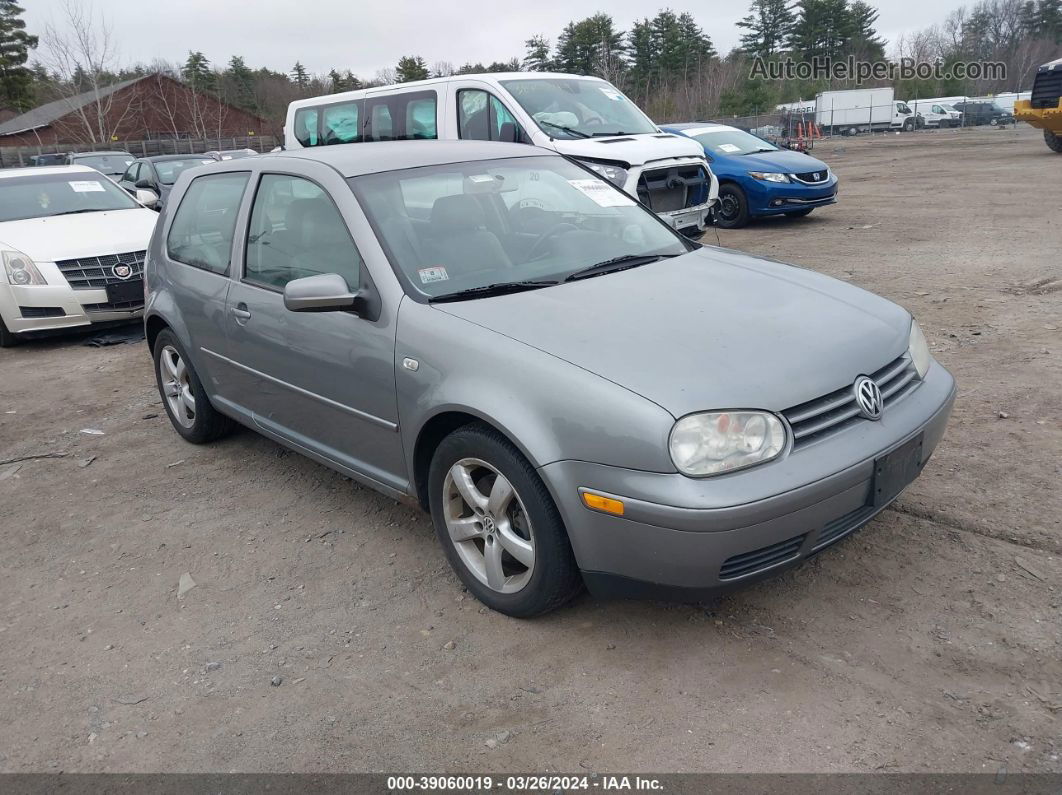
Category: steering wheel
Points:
column 549, row 234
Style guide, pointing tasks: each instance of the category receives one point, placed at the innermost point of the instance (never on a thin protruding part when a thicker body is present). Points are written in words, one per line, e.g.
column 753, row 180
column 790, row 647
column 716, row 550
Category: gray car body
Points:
column 587, row 379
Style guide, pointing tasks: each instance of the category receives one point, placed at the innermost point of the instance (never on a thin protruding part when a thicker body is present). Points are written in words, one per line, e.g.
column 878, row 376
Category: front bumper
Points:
column 770, row 199
column 697, row 216
column 37, row 308
column 691, row 539
column 1041, row 118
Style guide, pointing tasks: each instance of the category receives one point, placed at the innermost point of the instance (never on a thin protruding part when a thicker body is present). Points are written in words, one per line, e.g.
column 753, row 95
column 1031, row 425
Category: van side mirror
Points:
column 325, row 292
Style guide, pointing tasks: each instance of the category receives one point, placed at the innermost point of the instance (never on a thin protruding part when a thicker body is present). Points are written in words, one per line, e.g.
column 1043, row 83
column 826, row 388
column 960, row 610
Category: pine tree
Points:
column 242, row 81
column 411, row 67
column 590, row 46
column 823, row 29
column 16, row 81
column 538, row 58
column 769, row 24
column 197, row 72
column 863, row 39
column 299, row 76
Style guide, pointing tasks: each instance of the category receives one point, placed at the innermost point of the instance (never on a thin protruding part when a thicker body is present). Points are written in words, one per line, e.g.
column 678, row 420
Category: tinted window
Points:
column 340, row 123
column 306, row 126
column 202, row 230
column 297, row 231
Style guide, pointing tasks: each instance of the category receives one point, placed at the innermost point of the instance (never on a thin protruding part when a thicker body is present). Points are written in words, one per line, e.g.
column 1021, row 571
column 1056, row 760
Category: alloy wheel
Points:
column 176, row 386
column 488, row 525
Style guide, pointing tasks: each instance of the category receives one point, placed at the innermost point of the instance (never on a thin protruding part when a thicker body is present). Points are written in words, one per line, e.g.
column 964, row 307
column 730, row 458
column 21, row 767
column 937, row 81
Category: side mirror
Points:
column 148, row 198
column 325, row 292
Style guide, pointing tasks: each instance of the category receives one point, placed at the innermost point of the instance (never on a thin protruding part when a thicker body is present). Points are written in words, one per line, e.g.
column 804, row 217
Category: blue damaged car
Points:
column 757, row 178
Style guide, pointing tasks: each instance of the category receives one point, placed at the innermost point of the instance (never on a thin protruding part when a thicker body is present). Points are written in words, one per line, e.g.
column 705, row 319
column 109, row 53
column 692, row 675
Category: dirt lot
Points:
column 930, row 641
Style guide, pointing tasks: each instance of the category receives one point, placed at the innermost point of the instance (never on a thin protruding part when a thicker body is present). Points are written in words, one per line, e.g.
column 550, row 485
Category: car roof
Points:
column 163, row 158
column 97, row 153
column 31, row 170
column 352, row 160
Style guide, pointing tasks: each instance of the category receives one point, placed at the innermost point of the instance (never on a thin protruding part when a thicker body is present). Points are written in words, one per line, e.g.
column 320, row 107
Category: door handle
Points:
column 240, row 313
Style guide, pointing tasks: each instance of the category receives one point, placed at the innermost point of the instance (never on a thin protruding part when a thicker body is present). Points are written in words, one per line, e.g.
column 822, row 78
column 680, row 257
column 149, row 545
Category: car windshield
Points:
column 112, row 165
column 471, row 225
column 724, row 141
column 569, row 108
column 44, row 195
column 169, row 170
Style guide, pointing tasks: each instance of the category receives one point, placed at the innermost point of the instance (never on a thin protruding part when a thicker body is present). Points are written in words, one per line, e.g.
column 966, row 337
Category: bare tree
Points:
column 82, row 53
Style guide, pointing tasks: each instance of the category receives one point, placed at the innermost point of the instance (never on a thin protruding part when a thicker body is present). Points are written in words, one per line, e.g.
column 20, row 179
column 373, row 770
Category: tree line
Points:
column 667, row 63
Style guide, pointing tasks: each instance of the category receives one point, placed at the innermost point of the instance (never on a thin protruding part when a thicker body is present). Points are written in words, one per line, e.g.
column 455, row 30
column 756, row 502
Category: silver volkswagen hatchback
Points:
column 575, row 392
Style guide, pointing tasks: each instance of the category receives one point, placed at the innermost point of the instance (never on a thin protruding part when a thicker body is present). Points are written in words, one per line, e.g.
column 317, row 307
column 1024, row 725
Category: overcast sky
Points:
column 365, row 35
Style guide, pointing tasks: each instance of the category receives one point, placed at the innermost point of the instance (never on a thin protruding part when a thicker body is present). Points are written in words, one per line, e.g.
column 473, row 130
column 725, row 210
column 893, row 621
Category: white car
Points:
column 72, row 244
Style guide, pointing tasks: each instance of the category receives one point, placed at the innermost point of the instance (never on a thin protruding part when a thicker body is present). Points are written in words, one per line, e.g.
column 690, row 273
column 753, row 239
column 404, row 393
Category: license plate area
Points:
column 124, row 292
column 892, row 472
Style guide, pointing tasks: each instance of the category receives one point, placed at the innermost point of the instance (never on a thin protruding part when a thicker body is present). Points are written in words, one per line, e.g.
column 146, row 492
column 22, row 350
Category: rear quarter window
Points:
column 204, row 224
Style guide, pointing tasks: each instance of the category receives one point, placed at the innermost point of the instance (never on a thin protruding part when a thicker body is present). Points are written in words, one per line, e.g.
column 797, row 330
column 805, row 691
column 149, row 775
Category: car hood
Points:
column 83, row 235
column 784, row 160
column 712, row 329
column 634, row 150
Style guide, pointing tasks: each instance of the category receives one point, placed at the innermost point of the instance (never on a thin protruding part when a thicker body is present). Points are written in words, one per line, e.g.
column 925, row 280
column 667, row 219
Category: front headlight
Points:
column 769, row 176
column 614, row 174
column 918, row 350
column 20, row 269
column 722, row 441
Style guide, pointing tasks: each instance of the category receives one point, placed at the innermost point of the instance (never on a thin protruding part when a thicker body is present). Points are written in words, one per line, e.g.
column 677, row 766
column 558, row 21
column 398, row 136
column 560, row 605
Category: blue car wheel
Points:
column 733, row 211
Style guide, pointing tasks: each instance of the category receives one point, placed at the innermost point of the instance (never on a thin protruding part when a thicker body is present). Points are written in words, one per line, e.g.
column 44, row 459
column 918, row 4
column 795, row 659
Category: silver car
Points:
column 575, row 392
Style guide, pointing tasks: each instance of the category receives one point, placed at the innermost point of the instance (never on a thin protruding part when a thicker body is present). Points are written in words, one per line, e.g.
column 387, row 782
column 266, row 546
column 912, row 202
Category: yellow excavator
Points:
column 1044, row 109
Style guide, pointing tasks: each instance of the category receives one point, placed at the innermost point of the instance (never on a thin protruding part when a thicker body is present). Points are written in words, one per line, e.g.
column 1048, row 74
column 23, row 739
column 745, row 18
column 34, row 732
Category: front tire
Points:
column 183, row 396
column 908, row 125
column 733, row 211
column 498, row 524
column 1053, row 141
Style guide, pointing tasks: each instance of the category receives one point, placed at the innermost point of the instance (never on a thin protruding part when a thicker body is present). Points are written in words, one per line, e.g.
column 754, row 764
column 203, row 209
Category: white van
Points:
column 585, row 118
column 936, row 113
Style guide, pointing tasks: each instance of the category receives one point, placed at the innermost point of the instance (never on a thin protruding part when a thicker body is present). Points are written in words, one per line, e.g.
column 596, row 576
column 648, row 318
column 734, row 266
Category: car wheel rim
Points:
column 177, row 386
column 728, row 207
column 488, row 525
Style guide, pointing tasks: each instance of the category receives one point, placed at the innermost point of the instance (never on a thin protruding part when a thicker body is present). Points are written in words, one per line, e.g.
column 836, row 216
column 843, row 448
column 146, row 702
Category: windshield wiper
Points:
column 487, row 290
column 82, row 210
column 562, row 128
column 758, row 151
column 617, row 264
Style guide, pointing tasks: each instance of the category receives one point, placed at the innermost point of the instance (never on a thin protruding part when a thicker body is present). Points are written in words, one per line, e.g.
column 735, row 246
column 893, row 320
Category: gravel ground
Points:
column 325, row 631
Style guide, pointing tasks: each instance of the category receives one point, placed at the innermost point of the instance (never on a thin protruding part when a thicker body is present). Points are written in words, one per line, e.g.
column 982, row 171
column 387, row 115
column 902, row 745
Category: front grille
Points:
column 41, row 311
column 1047, row 88
column 760, row 559
column 836, row 411
column 665, row 190
column 116, row 306
column 843, row 525
column 94, row 273
column 812, row 177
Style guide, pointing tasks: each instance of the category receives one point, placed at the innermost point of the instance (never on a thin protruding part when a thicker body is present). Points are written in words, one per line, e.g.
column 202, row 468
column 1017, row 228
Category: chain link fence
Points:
column 17, row 156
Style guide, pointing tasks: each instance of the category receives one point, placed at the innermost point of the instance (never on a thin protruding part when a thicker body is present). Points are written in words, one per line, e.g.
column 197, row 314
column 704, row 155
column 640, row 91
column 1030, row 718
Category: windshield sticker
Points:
column 434, row 274
column 603, row 194
column 611, row 93
column 729, row 148
column 86, row 186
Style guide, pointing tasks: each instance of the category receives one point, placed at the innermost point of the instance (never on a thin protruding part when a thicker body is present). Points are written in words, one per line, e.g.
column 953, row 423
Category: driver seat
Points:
column 459, row 240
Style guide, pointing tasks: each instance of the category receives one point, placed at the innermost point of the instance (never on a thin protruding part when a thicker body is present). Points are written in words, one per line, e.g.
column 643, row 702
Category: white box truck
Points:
column 862, row 110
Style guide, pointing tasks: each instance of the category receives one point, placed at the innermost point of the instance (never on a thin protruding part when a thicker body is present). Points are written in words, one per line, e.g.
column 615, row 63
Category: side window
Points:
column 482, row 117
column 306, row 126
column 203, row 227
column 130, row 173
column 339, row 123
column 297, row 231
column 938, row 109
column 401, row 117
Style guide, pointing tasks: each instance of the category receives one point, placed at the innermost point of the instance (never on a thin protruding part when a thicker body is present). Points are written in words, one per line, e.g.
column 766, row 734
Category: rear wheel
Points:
column 498, row 525
column 7, row 339
column 183, row 395
column 733, row 211
column 908, row 125
column 1053, row 141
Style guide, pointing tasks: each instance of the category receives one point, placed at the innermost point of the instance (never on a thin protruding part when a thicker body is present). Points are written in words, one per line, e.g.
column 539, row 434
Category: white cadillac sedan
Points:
column 72, row 244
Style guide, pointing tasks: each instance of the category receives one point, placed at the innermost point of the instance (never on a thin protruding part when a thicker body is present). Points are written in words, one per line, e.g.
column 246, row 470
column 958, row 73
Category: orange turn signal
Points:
column 596, row 502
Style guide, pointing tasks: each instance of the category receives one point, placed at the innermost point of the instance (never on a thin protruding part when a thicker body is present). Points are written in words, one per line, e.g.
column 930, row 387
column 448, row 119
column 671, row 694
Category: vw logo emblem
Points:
column 868, row 398
column 488, row 524
column 122, row 271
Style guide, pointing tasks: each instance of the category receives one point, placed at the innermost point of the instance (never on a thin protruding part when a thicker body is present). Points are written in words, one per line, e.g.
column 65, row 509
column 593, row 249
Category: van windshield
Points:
column 532, row 220
column 568, row 108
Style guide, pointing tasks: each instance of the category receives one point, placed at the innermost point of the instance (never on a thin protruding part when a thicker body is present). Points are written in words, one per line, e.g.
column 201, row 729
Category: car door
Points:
column 322, row 381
